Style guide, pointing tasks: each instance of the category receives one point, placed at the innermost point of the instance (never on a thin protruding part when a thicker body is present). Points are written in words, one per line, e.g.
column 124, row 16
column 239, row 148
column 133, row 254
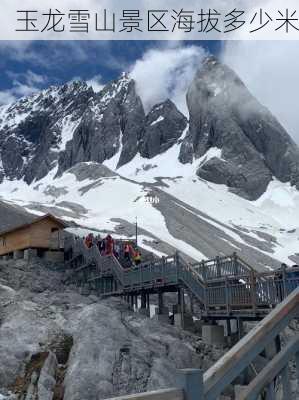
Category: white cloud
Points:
column 166, row 73
column 6, row 97
column 96, row 83
column 23, row 84
column 21, row 89
column 34, row 78
column 270, row 71
column 29, row 77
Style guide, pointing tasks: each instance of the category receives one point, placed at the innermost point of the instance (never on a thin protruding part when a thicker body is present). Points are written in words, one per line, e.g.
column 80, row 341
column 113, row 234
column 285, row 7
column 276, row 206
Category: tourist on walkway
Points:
column 127, row 255
column 137, row 257
column 89, row 240
column 102, row 247
column 109, row 244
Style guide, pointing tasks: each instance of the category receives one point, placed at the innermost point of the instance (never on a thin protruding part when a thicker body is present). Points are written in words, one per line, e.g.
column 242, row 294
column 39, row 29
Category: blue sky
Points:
column 38, row 64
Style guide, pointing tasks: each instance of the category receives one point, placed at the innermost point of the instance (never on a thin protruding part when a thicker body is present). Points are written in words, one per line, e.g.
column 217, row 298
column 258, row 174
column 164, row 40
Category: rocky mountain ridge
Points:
column 232, row 139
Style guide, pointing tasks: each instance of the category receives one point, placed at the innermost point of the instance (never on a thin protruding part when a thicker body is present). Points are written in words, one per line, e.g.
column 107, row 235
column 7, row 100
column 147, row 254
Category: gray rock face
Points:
column 92, row 171
column 249, row 180
column 164, row 126
column 113, row 122
column 72, row 124
column 122, row 354
column 132, row 121
column 254, row 146
column 46, row 383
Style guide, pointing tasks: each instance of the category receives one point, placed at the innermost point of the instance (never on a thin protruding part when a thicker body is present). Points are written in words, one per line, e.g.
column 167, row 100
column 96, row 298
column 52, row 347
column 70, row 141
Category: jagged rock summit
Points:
column 63, row 126
column 253, row 146
column 112, row 123
column 232, row 139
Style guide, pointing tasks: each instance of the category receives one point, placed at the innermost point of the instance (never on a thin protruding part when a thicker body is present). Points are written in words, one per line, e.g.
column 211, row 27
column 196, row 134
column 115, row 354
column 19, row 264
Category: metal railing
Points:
column 188, row 387
column 240, row 357
column 221, row 267
column 236, row 287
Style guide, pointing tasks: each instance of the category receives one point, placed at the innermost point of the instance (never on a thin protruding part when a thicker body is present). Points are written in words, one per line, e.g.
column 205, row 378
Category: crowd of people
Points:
column 124, row 251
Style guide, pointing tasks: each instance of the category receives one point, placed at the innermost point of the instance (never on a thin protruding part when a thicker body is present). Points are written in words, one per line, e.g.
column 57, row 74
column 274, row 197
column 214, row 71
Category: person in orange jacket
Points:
column 137, row 257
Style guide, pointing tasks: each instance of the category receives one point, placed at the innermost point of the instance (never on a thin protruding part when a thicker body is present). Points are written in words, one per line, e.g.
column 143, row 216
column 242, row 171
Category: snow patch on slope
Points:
column 160, row 119
column 276, row 213
column 113, row 198
column 279, row 194
column 68, row 127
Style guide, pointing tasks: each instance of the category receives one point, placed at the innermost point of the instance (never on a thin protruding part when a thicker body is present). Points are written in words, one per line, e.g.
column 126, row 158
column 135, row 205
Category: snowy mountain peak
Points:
column 96, row 158
column 69, row 124
column 255, row 148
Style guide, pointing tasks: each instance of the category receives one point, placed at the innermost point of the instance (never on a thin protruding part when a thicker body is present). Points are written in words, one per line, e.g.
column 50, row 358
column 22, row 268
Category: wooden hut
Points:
column 41, row 235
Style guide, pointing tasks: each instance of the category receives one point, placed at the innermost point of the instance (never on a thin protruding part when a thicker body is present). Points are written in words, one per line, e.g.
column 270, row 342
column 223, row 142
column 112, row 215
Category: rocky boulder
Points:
column 57, row 342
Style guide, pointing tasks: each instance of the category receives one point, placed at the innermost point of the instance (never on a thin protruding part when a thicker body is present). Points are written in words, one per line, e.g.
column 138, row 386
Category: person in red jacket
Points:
column 109, row 245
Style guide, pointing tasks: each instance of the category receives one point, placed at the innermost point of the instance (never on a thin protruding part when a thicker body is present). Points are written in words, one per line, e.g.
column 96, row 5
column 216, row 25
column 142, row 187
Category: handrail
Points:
column 188, row 387
column 273, row 369
column 191, row 279
column 222, row 267
column 245, row 351
column 226, row 288
column 163, row 394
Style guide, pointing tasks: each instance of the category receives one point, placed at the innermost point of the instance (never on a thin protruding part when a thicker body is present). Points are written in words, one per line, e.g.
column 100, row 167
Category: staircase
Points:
column 225, row 286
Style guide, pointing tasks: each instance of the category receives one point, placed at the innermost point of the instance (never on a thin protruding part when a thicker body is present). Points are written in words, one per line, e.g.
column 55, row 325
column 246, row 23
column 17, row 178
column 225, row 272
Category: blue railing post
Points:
column 297, row 370
column 176, row 263
column 227, row 299
column 204, row 271
column 191, row 381
column 284, row 280
column 163, row 269
column 206, row 298
column 235, row 263
column 218, row 267
column 253, row 291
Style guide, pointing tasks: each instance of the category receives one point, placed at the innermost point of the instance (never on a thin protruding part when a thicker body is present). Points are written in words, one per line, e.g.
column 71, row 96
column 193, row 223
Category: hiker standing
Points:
column 137, row 257
column 109, row 245
column 117, row 250
column 127, row 256
column 89, row 240
column 102, row 247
